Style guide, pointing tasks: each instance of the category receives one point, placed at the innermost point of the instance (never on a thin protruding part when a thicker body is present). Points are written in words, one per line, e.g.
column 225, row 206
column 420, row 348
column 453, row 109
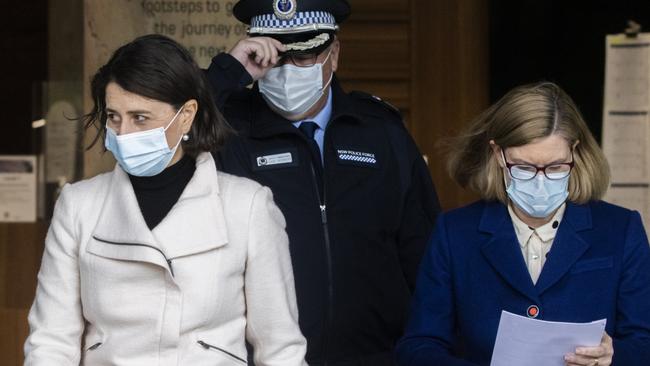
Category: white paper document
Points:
column 18, row 188
column 524, row 341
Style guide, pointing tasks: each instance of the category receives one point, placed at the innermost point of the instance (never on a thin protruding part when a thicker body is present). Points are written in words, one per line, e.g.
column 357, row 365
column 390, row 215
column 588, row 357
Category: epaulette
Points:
column 378, row 101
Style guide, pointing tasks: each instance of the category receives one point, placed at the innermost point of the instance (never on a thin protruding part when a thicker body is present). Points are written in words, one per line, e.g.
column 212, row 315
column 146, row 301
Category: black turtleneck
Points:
column 158, row 194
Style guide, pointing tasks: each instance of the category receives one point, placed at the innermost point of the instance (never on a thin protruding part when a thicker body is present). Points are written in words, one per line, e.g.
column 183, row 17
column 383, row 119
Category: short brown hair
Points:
column 524, row 114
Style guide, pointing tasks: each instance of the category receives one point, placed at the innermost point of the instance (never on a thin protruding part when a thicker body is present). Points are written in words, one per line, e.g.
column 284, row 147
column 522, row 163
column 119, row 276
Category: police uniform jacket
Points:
column 356, row 247
column 112, row 292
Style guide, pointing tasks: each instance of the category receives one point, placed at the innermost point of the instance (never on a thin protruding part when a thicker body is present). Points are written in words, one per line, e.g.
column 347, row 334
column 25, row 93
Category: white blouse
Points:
column 536, row 243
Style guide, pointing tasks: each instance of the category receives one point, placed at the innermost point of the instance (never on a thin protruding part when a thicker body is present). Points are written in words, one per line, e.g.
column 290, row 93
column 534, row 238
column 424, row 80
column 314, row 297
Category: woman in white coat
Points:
column 164, row 260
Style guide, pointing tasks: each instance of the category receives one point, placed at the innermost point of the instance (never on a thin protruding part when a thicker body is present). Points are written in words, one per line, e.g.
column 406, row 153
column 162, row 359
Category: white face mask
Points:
column 292, row 90
column 143, row 154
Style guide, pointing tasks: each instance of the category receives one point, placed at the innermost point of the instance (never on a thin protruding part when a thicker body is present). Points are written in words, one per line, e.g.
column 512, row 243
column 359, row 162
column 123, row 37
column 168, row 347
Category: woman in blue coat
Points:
column 540, row 243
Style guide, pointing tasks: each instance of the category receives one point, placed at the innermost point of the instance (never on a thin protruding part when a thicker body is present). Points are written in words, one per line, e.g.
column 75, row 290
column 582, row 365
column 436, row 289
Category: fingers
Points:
column 607, row 340
column 259, row 51
column 272, row 49
column 263, row 51
column 278, row 45
column 600, row 355
column 243, row 51
column 591, row 352
column 604, row 350
column 270, row 52
column 577, row 360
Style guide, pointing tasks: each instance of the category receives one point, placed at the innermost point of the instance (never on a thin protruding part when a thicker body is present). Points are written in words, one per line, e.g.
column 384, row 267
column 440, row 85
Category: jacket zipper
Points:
column 94, row 346
column 168, row 260
column 208, row 346
column 328, row 257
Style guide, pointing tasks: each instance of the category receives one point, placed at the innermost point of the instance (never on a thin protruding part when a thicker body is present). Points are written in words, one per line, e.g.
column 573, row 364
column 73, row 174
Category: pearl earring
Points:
column 186, row 137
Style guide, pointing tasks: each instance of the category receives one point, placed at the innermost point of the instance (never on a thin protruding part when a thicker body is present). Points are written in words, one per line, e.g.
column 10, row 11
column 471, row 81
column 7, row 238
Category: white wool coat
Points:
column 215, row 272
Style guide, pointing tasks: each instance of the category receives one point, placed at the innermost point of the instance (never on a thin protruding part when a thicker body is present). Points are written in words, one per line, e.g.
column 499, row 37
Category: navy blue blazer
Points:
column 598, row 267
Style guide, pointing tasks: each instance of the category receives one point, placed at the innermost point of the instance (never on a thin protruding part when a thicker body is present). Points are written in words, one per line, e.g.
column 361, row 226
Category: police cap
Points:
column 303, row 26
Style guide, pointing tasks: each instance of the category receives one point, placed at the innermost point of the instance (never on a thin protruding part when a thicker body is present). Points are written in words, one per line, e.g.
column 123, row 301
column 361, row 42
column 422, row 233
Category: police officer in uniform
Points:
column 356, row 194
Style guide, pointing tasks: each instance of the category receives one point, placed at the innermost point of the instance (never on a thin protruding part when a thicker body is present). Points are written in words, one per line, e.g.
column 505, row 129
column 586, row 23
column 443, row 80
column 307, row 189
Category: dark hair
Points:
column 157, row 67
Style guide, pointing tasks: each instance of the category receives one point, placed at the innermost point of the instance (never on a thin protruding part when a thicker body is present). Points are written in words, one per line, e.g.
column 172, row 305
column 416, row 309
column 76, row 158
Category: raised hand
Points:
column 257, row 54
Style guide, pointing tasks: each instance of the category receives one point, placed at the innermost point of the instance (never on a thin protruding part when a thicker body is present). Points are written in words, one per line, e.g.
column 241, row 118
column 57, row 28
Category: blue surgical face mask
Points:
column 538, row 197
column 144, row 153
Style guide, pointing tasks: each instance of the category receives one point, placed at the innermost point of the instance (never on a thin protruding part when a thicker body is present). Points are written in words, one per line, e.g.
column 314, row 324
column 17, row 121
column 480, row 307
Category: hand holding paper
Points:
column 600, row 355
column 523, row 341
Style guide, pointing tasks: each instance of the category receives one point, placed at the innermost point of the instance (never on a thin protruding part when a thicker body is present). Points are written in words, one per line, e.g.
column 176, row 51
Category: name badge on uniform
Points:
column 357, row 158
column 275, row 160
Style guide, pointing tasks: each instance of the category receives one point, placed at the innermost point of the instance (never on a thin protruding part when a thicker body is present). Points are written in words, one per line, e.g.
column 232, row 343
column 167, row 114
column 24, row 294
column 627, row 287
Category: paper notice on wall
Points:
column 18, row 188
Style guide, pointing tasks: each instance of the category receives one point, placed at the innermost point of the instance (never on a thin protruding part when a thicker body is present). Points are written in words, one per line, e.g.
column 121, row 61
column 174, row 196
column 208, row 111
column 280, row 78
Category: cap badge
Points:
column 284, row 9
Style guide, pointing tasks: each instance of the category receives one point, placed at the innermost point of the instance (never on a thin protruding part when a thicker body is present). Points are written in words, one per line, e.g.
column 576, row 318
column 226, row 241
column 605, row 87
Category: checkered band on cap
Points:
column 301, row 21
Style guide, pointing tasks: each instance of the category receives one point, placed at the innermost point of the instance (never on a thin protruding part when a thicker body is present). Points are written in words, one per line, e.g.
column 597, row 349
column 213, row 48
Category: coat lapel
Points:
column 502, row 250
column 121, row 232
column 121, row 220
column 195, row 224
column 567, row 247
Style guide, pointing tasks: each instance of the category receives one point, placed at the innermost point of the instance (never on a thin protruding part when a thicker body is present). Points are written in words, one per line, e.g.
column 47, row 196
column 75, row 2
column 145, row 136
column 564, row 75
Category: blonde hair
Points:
column 524, row 114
